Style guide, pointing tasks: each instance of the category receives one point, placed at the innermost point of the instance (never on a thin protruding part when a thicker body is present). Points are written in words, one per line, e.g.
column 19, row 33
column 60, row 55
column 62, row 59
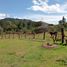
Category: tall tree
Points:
column 62, row 22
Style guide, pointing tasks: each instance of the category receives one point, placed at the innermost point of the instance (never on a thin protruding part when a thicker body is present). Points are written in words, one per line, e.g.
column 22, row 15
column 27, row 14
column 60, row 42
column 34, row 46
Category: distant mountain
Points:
column 21, row 24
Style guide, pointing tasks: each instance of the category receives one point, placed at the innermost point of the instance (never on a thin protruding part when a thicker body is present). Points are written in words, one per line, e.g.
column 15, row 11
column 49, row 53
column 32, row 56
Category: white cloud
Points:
column 4, row 15
column 51, row 19
column 35, row 2
column 19, row 17
column 40, row 2
column 42, row 5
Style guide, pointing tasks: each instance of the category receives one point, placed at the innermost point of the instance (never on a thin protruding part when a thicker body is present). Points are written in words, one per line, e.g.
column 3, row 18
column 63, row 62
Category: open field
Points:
column 29, row 53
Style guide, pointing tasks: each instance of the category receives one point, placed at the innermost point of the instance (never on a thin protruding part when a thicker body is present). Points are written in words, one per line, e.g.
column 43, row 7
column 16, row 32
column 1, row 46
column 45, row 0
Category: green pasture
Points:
column 30, row 53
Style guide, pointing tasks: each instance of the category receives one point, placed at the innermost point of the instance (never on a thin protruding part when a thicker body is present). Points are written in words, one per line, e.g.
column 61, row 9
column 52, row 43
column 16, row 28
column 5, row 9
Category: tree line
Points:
column 17, row 25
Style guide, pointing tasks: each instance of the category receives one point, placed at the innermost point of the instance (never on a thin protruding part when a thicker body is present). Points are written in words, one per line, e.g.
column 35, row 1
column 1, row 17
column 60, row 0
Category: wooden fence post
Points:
column 62, row 35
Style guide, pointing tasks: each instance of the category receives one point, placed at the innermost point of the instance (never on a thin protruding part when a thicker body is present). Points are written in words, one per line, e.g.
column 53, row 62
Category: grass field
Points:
column 29, row 53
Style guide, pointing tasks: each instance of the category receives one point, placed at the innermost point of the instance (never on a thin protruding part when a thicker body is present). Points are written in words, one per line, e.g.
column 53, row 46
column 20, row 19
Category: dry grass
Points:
column 29, row 53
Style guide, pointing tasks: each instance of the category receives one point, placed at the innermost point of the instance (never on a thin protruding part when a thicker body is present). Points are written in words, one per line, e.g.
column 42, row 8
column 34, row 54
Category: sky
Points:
column 50, row 11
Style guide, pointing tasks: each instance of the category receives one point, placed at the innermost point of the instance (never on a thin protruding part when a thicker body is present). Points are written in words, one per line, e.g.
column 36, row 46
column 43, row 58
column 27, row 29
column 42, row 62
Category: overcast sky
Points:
column 50, row 11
